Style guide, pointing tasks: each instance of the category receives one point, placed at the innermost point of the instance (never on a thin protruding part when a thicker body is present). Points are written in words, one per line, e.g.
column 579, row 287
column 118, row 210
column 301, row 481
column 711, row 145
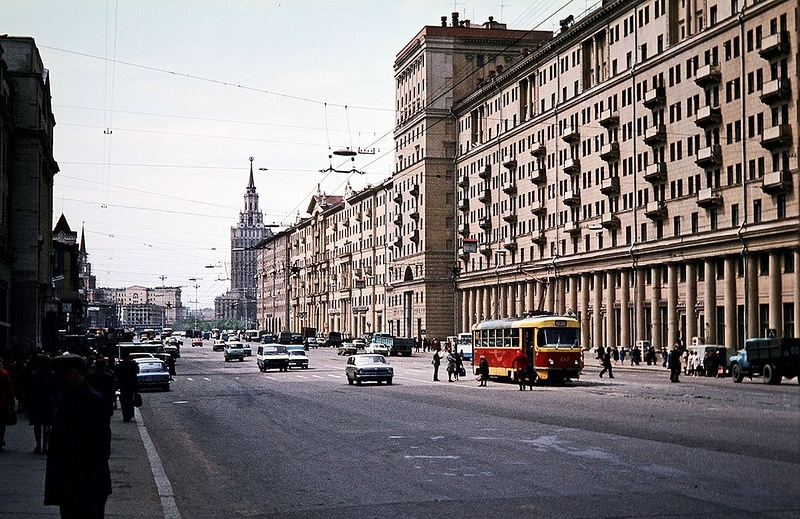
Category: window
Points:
column 756, row 211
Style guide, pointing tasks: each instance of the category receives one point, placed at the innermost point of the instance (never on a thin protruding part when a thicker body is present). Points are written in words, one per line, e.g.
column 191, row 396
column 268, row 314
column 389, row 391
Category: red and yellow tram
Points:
column 551, row 343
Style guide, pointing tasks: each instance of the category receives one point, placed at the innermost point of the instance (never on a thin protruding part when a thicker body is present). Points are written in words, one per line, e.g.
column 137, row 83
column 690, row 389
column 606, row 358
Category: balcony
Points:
column 774, row 45
column 539, row 237
column 776, row 90
column 708, row 157
column 538, row 208
column 610, row 186
column 572, row 166
column 509, row 163
column 610, row 152
column 485, row 249
column 509, row 188
column 656, row 172
column 398, row 220
column 538, row 175
column 572, row 228
column 510, row 244
column 655, row 97
column 571, row 134
column 609, row 221
column 463, row 229
column 486, row 172
column 708, row 199
column 484, row 223
column 485, row 196
column 609, row 118
column 462, row 254
column 414, row 191
column 510, row 218
column 398, row 198
column 538, row 149
column 346, row 222
column 707, row 75
column 572, row 197
column 656, row 210
column 776, row 136
column 398, row 243
column 708, row 116
column 414, row 236
column 777, row 182
column 463, row 180
column 414, row 215
column 463, row 205
column 655, row 135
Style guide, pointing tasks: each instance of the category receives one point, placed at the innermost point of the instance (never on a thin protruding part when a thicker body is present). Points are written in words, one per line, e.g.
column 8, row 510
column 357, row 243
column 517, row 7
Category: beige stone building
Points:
column 638, row 169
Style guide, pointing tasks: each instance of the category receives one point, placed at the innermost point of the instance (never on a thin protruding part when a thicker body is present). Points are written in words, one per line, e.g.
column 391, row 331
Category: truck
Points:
column 769, row 358
column 396, row 345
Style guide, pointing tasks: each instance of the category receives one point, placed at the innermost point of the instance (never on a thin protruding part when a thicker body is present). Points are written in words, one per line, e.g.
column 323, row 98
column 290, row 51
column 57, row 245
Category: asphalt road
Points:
column 236, row 443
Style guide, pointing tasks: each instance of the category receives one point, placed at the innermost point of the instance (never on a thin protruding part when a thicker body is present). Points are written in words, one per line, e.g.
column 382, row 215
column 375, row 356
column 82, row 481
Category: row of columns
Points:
column 599, row 311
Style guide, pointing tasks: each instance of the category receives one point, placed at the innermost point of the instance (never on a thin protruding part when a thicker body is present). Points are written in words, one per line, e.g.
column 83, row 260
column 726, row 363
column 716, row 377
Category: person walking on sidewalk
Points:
column 437, row 361
column 6, row 402
column 77, row 475
column 520, row 366
column 606, row 363
column 41, row 401
column 128, row 382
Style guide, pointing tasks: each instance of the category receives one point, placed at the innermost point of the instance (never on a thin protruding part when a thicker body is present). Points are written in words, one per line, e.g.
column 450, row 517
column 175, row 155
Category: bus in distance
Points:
column 551, row 343
column 464, row 345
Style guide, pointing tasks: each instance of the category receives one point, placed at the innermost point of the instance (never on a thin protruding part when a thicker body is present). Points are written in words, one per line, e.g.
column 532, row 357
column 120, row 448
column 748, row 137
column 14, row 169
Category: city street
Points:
column 235, row 442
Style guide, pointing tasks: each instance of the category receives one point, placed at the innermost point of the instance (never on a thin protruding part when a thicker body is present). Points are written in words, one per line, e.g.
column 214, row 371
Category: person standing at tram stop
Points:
column 606, row 363
column 674, row 363
column 437, row 361
column 128, row 382
column 520, row 366
column 483, row 370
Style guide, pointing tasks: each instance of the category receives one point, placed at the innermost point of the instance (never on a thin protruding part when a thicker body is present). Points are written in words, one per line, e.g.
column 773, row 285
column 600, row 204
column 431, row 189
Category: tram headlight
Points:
column 550, row 361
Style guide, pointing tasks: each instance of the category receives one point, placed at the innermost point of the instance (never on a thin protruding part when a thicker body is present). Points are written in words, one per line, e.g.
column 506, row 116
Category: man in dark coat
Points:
column 128, row 382
column 78, row 478
column 674, row 361
column 483, row 370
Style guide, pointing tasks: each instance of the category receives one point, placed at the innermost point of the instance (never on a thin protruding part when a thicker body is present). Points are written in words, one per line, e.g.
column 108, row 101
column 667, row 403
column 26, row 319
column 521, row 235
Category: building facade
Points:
column 27, row 168
column 240, row 302
column 640, row 170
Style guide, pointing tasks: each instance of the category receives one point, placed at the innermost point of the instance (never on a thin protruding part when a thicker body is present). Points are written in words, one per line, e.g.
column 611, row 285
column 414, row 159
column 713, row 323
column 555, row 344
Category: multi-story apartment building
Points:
column 637, row 169
column 272, row 274
column 28, row 310
column 138, row 306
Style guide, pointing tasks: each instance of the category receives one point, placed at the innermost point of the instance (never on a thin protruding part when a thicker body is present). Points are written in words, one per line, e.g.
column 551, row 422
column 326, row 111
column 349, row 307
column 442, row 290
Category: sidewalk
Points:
column 22, row 475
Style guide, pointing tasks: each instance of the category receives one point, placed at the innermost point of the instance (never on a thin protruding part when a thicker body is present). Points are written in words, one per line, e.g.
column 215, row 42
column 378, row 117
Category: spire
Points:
column 251, row 184
column 83, row 241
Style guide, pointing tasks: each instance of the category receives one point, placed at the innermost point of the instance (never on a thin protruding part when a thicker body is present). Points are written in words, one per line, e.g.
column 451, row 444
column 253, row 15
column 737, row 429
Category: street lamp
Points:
column 196, row 302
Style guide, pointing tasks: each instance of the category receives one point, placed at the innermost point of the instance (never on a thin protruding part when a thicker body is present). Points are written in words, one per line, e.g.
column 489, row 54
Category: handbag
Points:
column 462, row 372
column 11, row 417
column 137, row 399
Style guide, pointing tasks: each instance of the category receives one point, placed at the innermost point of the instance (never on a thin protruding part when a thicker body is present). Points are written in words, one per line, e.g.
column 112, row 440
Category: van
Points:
column 465, row 345
column 334, row 339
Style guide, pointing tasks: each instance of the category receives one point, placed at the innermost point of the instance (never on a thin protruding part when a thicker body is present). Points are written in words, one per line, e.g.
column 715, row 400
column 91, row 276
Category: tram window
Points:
column 515, row 342
column 557, row 337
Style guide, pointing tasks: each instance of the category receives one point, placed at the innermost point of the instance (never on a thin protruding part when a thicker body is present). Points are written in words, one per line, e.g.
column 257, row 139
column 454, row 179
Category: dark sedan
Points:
column 368, row 367
column 153, row 374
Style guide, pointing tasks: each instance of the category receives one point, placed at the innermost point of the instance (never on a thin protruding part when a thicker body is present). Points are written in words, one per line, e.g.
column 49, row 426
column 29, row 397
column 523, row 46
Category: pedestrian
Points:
column 451, row 364
column 437, row 360
column 416, row 344
column 104, row 382
column 674, row 361
column 606, row 363
column 77, row 475
column 459, row 363
column 41, row 401
column 664, row 357
column 483, row 370
column 622, row 355
column 171, row 365
column 685, row 361
column 531, row 376
column 519, row 365
column 615, row 355
column 128, row 381
column 6, row 402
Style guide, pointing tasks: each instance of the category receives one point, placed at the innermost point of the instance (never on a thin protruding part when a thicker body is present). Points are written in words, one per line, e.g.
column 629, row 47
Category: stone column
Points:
column 530, row 299
column 640, row 333
column 625, row 312
column 597, row 303
column 691, row 301
column 574, row 282
column 655, row 311
column 521, row 298
column 586, row 332
column 611, row 321
column 775, row 303
column 673, row 331
column 796, row 298
column 752, row 318
column 731, row 315
column 551, row 296
column 710, row 302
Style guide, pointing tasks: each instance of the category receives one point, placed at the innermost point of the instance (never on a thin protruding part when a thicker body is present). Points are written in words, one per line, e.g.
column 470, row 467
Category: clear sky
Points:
column 160, row 104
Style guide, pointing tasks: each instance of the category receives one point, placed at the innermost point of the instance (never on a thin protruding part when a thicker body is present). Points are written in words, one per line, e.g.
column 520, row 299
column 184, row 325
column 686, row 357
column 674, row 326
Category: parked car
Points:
column 197, row 341
column 218, row 345
column 347, row 348
column 153, row 373
column 377, row 348
column 234, row 350
column 298, row 359
column 311, row 342
column 247, row 349
column 322, row 341
column 360, row 343
column 268, row 339
column 368, row 367
column 272, row 356
column 173, row 346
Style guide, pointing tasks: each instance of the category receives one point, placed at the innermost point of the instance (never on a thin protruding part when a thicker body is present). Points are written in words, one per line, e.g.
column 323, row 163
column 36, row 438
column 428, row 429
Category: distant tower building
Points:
column 240, row 302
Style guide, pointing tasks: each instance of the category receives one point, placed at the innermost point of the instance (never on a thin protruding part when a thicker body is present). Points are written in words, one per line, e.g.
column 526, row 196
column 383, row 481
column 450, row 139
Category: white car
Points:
column 377, row 348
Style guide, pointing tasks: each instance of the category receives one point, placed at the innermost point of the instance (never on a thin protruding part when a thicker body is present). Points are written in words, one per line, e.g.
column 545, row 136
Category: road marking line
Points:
column 335, row 376
column 168, row 504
